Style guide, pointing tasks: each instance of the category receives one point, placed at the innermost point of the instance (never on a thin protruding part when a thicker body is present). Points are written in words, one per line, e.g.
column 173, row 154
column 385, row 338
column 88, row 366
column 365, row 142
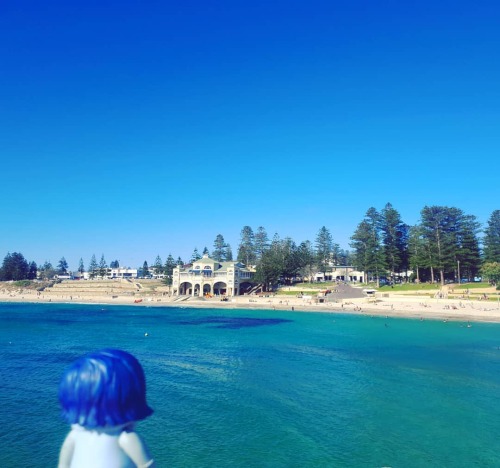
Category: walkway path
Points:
column 346, row 291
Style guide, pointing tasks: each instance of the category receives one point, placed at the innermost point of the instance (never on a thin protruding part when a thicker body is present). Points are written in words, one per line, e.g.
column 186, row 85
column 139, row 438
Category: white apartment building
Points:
column 341, row 273
column 112, row 273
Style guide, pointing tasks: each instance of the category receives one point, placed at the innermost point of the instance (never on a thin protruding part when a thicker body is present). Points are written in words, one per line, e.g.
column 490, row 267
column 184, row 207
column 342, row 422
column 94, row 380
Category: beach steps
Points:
column 181, row 298
column 97, row 287
column 97, row 290
column 105, row 289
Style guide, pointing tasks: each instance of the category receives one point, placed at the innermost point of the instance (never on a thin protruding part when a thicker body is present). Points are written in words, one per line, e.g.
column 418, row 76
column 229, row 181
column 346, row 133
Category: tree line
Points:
column 445, row 244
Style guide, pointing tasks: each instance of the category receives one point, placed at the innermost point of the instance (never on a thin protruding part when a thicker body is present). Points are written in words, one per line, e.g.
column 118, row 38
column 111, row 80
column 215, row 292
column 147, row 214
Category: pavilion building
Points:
column 209, row 277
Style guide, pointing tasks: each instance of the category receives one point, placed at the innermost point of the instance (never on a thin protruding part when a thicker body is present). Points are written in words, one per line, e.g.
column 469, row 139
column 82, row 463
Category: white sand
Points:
column 402, row 306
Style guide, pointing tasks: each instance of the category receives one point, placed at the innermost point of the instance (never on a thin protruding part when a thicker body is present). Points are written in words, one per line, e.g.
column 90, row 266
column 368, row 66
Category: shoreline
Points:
column 394, row 307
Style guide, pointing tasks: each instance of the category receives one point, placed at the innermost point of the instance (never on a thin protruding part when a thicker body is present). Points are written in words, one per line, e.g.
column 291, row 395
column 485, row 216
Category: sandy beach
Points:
column 387, row 305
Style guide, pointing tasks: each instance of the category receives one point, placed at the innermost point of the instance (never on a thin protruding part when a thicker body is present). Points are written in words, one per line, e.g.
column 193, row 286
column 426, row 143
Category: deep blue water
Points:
column 235, row 388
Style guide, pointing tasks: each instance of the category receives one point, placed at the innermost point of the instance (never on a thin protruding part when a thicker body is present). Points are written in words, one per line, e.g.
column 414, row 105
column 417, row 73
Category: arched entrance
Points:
column 185, row 289
column 220, row 288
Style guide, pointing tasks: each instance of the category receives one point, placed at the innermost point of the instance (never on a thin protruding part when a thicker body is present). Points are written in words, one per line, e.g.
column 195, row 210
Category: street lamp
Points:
column 458, row 272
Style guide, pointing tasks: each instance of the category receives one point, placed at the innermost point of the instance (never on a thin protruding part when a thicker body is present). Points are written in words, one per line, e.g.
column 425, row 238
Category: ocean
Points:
column 256, row 388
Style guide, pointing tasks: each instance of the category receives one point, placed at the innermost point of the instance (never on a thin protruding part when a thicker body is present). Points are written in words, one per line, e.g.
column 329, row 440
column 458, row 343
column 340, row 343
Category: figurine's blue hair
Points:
column 105, row 388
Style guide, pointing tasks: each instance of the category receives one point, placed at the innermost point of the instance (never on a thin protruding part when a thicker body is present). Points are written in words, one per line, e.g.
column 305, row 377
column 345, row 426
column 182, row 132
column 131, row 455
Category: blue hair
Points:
column 104, row 388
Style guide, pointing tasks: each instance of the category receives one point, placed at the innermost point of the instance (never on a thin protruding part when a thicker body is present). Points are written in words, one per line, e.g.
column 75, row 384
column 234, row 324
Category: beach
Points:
column 349, row 301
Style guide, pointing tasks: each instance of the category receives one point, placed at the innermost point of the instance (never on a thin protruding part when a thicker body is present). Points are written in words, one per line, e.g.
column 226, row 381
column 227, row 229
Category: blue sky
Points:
column 133, row 129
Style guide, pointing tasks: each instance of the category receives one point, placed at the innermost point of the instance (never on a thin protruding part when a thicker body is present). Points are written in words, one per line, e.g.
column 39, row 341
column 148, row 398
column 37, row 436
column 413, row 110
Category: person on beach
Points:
column 102, row 396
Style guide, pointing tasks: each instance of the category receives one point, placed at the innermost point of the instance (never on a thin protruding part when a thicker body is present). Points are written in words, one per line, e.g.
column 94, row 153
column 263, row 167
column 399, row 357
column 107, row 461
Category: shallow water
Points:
column 236, row 388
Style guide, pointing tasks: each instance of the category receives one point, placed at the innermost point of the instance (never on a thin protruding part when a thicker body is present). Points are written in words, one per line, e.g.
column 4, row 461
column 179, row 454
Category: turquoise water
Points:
column 235, row 388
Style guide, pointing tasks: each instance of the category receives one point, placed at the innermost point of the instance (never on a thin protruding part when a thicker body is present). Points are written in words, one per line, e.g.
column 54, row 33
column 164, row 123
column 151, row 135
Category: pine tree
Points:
column 417, row 251
column 229, row 253
column 270, row 265
column 449, row 236
column 324, row 249
column 145, row 269
column 219, row 252
column 14, row 267
column 395, row 239
column 468, row 254
column 169, row 269
column 103, row 267
column 367, row 245
column 261, row 242
column 158, row 266
column 246, row 249
column 195, row 255
column 306, row 259
column 491, row 239
column 32, row 273
column 81, row 267
column 93, row 267
column 62, row 267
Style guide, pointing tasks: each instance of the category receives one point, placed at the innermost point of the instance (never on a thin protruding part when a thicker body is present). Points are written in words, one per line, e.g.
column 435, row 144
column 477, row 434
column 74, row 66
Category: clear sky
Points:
column 138, row 128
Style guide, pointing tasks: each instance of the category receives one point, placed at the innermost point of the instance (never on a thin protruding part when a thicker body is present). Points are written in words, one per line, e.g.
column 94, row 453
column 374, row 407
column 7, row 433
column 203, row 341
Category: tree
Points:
column 367, row 245
column 229, row 253
column 145, row 269
column 468, row 254
column 261, row 242
column 394, row 239
column 270, row 265
column 62, row 267
column 307, row 259
column 103, row 267
column 491, row 271
column 417, row 251
column 114, row 264
column 47, row 272
column 81, row 267
column 169, row 269
column 290, row 260
column 93, row 267
column 451, row 240
column 195, row 255
column 324, row 249
column 179, row 261
column 32, row 272
column 205, row 251
column 436, row 222
column 219, row 253
column 344, row 257
column 246, row 249
column 158, row 266
column 491, row 238
column 14, row 267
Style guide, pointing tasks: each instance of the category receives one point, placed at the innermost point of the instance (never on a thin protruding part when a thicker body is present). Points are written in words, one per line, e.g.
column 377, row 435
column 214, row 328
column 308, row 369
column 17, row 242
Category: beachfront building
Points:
column 208, row 277
column 341, row 273
column 111, row 273
column 121, row 273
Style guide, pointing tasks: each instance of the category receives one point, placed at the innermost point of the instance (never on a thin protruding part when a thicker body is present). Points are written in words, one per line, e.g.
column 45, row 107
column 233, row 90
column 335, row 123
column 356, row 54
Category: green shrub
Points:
column 22, row 283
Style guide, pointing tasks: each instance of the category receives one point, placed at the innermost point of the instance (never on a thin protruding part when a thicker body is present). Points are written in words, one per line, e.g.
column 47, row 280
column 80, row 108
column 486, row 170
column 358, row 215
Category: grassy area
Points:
column 317, row 286
column 410, row 287
column 471, row 285
column 282, row 292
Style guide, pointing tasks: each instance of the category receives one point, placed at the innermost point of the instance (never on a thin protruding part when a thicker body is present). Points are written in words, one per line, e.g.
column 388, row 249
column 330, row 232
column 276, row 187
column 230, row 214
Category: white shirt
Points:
column 110, row 447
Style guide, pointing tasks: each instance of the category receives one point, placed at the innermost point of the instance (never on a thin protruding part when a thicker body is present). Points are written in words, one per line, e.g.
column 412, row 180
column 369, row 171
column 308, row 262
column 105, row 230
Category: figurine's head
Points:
column 105, row 388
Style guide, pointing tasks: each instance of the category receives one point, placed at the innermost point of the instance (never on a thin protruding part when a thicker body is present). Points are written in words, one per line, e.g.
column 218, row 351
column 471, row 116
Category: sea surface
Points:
column 254, row 388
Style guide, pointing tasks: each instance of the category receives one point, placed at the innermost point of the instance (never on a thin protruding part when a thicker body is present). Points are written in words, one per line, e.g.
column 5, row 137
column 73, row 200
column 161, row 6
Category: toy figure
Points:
column 102, row 395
